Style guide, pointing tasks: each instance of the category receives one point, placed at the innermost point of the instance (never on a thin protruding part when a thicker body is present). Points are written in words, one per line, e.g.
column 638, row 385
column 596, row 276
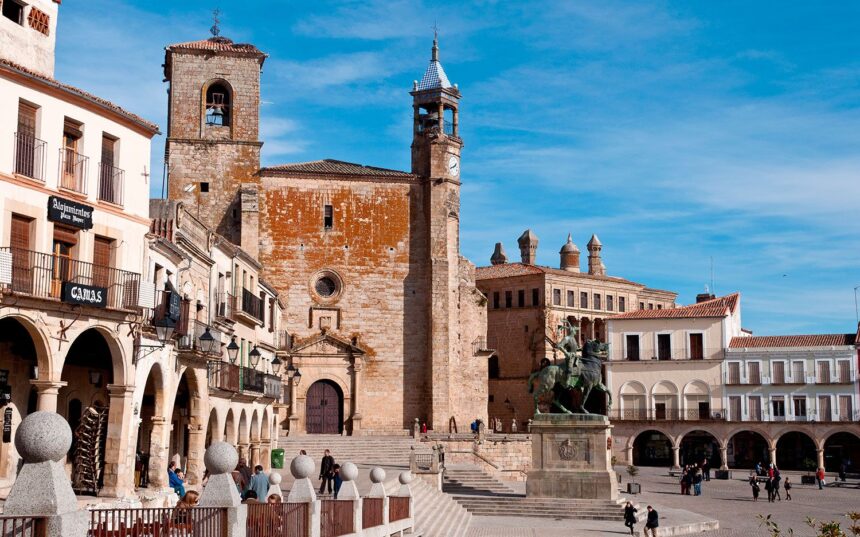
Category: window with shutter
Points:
column 844, row 371
column 22, row 258
column 778, row 372
column 824, row 408
column 734, row 373
column 797, row 374
column 753, row 373
column 845, row 410
column 823, row 372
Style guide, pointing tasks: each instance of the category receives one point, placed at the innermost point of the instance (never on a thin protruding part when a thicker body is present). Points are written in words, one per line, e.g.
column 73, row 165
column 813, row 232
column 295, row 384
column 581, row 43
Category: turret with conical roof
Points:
column 528, row 243
column 499, row 256
column 595, row 264
column 569, row 255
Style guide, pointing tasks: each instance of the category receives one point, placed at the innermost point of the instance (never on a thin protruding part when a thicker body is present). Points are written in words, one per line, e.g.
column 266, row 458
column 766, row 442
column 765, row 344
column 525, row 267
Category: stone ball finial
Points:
column 43, row 436
column 275, row 478
column 220, row 458
column 349, row 471
column 302, row 467
column 405, row 478
column 377, row 475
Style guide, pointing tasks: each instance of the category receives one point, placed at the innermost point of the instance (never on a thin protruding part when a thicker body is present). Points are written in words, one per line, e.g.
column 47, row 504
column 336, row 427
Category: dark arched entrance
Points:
column 87, row 372
column 842, row 448
column 180, row 421
column 697, row 446
column 324, row 408
column 792, row 449
column 747, row 448
column 652, row 448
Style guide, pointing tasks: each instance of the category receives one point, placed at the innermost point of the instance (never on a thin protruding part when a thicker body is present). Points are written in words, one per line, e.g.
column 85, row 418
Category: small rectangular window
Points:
column 632, row 347
column 495, row 300
column 650, row 306
column 571, row 303
column 659, row 306
column 583, row 300
column 664, row 346
column 535, row 297
column 621, row 304
column 556, row 297
column 597, row 304
column 610, row 303
column 204, row 186
column 14, row 11
column 778, row 405
column 509, row 299
column 328, row 217
column 641, row 305
column 521, row 298
column 800, row 407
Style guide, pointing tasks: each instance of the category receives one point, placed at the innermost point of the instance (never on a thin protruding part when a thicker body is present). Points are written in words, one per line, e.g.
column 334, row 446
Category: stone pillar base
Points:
column 570, row 458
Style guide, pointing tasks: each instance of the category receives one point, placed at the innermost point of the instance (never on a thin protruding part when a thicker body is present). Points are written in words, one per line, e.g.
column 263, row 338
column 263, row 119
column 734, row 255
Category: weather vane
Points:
column 435, row 31
column 216, row 19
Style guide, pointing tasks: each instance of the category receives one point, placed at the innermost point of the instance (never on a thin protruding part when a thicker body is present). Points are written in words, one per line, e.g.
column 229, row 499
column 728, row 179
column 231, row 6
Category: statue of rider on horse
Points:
column 581, row 370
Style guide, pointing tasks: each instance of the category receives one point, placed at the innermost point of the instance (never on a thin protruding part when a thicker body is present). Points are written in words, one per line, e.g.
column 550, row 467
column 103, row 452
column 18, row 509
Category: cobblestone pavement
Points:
column 730, row 502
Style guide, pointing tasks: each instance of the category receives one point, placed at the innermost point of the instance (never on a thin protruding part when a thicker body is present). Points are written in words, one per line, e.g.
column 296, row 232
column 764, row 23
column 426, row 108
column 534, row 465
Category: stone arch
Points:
column 633, row 400
column 652, row 447
column 244, row 436
column 696, row 400
column 698, row 444
column 214, row 431
column 841, row 446
column 41, row 345
column 209, row 102
column 151, row 441
column 266, row 426
column 254, row 433
column 230, row 429
column 792, row 448
column 746, row 447
column 664, row 399
column 325, row 407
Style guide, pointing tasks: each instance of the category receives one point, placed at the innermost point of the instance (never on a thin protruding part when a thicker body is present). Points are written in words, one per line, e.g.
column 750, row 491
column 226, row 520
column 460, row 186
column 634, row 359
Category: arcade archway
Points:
column 792, row 449
column 839, row 448
column 699, row 445
column 652, row 448
column 746, row 448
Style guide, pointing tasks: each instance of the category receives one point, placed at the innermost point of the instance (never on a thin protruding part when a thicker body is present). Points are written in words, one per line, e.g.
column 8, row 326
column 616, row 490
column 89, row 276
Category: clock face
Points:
column 454, row 166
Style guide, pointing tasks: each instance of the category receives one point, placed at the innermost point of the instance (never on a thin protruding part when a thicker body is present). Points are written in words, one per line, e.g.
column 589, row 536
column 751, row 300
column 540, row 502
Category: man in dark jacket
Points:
column 652, row 522
column 630, row 516
column 327, row 472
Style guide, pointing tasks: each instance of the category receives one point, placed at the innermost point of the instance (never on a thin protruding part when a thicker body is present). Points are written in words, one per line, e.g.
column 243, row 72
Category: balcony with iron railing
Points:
column 237, row 379
column 42, row 275
column 665, row 354
column 250, row 305
column 480, row 346
column 224, row 303
column 190, row 340
column 73, row 171
column 111, row 180
column 667, row 414
column 29, row 155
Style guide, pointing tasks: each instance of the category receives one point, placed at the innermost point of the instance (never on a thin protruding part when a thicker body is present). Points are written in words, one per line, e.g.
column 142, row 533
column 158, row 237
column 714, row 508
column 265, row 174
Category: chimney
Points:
column 499, row 256
column 569, row 256
column 528, row 242
column 704, row 297
column 595, row 264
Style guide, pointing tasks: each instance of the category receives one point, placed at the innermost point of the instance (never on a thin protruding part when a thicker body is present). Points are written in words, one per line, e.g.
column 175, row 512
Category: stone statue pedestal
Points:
column 571, row 458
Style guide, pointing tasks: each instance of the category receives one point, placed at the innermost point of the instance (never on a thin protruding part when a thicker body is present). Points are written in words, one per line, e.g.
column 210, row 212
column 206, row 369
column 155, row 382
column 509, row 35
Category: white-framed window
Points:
column 798, row 373
column 777, row 372
column 754, row 372
column 733, row 373
column 632, row 351
column 696, row 345
column 798, row 407
column 754, row 407
column 822, row 371
column 663, row 345
column 777, row 407
column 843, row 371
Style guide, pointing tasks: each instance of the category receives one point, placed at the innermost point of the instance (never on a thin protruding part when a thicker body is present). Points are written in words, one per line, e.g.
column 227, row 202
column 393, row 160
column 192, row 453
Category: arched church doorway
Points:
column 324, row 408
column 652, row 448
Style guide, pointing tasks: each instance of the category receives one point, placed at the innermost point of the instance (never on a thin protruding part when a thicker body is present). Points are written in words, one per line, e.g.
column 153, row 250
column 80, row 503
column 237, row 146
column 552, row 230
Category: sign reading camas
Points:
column 70, row 213
column 86, row 295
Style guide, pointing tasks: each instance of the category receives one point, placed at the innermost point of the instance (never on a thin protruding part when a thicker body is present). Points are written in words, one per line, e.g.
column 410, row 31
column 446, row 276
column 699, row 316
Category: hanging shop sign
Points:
column 70, row 213
column 7, row 426
column 85, row 295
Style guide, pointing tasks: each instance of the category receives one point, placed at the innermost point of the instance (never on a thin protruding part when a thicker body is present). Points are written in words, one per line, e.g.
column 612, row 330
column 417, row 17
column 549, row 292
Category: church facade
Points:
column 384, row 319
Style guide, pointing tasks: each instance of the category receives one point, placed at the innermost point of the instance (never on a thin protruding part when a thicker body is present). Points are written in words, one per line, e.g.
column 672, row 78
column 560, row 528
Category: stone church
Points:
column 383, row 317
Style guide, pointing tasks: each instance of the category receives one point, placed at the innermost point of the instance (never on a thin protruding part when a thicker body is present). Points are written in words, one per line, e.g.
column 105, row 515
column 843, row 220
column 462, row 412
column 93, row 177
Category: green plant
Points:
column 822, row 529
column 614, row 460
column 772, row 527
column 632, row 471
column 809, row 465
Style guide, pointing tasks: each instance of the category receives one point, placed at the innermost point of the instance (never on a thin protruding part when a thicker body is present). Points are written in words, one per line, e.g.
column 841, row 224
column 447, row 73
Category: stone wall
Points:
column 469, row 399
column 507, row 457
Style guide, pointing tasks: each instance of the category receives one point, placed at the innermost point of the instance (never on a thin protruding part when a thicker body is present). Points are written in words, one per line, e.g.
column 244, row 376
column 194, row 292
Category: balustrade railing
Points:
column 191, row 340
column 29, row 156
column 45, row 276
column 336, row 518
column 13, row 526
column 270, row 519
column 272, row 386
column 111, row 181
column 398, row 508
column 252, row 380
column 251, row 304
column 631, row 354
column 73, row 170
column 158, row 522
column 667, row 414
column 224, row 376
column 371, row 512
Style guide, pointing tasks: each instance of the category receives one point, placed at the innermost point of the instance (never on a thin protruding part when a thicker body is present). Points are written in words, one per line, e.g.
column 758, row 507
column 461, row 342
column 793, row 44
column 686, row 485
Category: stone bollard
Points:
column 405, row 490
column 42, row 488
column 377, row 490
column 220, row 459
column 303, row 492
column 275, row 485
column 349, row 491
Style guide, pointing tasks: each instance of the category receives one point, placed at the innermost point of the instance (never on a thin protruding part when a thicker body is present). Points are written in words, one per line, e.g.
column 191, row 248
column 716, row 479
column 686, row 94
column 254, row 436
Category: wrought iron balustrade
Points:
column 111, row 180
column 29, row 154
column 73, row 170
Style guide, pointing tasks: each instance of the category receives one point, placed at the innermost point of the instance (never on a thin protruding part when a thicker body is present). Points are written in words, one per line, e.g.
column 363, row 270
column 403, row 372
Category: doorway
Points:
column 324, row 408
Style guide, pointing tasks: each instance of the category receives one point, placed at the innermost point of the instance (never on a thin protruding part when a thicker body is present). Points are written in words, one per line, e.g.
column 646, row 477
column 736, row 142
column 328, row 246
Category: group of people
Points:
column 772, row 483
column 692, row 476
column 652, row 521
column 329, row 474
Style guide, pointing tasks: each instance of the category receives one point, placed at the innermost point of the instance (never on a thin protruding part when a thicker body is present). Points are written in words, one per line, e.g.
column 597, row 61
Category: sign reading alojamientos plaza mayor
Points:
column 70, row 212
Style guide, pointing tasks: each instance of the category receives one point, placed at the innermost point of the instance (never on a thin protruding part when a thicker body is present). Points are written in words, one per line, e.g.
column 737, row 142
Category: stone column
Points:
column 628, row 455
column 724, row 458
column 221, row 458
column 157, row 474
column 244, row 452
column 294, row 415
column 48, row 391
column 255, row 454
column 119, row 449
column 676, row 459
column 771, row 453
column 303, row 491
column 196, row 451
column 820, row 453
column 356, row 389
column 42, row 488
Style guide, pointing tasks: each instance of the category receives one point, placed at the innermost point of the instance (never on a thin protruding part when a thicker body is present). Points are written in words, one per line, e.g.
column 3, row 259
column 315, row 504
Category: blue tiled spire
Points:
column 434, row 77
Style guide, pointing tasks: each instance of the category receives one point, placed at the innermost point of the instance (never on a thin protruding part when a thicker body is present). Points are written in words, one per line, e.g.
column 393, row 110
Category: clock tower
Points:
column 436, row 146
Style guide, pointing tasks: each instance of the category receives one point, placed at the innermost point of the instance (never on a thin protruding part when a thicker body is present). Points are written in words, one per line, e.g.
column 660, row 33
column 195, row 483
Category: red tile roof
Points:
column 717, row 307
column 334, row 167
column 813, row 340
column 509, row 270
column 219, row 44
column 6, row 65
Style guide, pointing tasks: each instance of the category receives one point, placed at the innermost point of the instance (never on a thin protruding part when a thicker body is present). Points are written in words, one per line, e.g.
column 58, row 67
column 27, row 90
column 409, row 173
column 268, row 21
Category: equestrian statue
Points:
column 580, row 370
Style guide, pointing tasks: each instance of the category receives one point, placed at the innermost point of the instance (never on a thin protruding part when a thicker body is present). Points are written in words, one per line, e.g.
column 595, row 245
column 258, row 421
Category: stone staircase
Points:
column 437, row 514
column 482, row 495
column 390, row 451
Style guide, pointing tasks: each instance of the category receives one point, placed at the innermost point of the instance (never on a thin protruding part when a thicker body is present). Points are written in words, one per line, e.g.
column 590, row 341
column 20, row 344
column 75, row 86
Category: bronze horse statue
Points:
column 583, row 374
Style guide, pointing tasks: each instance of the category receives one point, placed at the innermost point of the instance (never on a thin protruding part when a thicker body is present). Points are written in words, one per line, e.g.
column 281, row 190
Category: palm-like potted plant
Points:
column 810, row 466
column 633, row 487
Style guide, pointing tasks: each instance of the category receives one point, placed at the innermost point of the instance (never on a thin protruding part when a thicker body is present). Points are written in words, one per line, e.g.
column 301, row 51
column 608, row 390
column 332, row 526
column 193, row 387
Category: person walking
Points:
column 652, row 522
column 787, row 487
column 683, row 481
column 338, row 480
column 245, row 475
column 327, row 472
column 819, row 475
column 260, row 483
column 630, row 516
column 755, row 489
column 706, row 469
column 768, row 486
column 688, row 480
column 843, row 471
column 697, row 482
column 777, row 478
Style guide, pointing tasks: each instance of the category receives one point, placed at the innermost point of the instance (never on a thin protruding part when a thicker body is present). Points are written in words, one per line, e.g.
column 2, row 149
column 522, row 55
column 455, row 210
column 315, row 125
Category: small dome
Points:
column 569, row 247
column 594, row 241
column 527, row 237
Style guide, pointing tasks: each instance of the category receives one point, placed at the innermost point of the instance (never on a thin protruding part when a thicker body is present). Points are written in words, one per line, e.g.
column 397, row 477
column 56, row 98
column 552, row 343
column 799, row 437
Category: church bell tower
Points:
column 436, row 147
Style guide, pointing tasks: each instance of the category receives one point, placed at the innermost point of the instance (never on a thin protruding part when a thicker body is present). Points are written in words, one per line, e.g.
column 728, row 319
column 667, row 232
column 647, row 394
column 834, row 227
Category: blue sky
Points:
column 678, row 132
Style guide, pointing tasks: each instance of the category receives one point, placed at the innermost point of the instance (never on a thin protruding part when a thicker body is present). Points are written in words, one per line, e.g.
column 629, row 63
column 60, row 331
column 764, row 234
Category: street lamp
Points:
column 232, row 350
column 276, row 365
column 291, row 371
column 207, row 342
column 254, row 357
column 164, row 330
column 298, row 376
